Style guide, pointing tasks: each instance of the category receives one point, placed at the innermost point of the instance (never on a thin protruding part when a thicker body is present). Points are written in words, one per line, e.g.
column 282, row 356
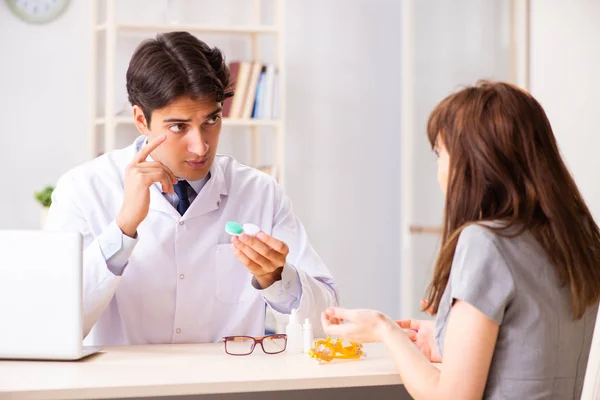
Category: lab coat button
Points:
column 181, row 276
column 178, row 330
column 180, row 222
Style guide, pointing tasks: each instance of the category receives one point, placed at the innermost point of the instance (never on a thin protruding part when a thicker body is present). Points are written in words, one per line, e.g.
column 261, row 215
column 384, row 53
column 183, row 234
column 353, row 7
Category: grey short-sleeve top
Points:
column 541, row 352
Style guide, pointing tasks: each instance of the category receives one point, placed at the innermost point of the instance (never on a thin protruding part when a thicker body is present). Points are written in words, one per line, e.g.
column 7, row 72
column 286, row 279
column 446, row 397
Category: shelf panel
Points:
column 250, row 122
column 427, row 230
column 240, row 30
column 127, row 120
column 119, row 120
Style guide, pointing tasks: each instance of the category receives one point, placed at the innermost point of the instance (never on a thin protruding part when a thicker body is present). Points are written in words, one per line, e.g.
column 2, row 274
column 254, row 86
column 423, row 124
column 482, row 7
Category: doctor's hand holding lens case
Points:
column 263, row 255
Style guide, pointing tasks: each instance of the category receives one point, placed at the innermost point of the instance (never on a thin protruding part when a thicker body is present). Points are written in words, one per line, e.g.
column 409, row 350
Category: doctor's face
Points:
column 192, row 128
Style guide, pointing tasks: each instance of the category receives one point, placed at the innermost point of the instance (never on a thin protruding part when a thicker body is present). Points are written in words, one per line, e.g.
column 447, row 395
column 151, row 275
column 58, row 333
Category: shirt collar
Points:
column 198, row 185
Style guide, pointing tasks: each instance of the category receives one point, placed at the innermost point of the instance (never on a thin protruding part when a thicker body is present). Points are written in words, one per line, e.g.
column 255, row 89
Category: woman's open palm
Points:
column 423, row 336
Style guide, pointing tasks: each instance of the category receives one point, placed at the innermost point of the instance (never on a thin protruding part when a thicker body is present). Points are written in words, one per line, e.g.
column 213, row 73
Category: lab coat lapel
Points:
column 209, row 198
column 158, row 202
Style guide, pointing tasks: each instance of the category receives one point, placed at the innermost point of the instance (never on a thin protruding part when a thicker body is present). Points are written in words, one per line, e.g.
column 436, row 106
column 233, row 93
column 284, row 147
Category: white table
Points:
column 175, row 370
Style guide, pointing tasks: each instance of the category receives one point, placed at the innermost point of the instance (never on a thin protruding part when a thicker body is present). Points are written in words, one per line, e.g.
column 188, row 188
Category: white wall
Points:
column 43, row 107
column 343, row 138
column 564, row 67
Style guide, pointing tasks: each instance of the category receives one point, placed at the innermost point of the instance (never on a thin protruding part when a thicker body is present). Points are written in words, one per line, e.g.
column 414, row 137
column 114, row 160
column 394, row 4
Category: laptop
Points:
column 41, row 305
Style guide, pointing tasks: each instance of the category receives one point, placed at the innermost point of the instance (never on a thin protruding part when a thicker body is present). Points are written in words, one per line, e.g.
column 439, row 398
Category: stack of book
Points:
column 255, row 91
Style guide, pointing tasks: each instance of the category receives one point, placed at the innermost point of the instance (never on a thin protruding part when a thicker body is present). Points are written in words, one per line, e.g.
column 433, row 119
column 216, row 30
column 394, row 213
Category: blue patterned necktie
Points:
column 181, row 190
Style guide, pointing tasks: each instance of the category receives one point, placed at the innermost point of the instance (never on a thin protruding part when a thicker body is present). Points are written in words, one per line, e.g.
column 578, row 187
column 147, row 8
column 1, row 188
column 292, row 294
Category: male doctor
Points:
column 158, row 264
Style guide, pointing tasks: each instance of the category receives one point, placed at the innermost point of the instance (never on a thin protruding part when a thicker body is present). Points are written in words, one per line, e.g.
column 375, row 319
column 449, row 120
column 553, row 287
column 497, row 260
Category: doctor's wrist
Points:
column 269, row 279
column 128, row 228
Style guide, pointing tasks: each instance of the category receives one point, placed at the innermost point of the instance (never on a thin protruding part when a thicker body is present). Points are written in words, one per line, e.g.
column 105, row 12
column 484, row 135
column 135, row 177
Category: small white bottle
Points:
column 293, row 331
column 308, row 335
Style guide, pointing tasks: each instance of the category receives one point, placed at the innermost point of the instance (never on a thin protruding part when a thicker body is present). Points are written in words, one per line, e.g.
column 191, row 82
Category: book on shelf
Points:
column 258, row 101
column 234, row 69
column 255, row 91
column 251, row 91
column 240, row 88
column 266, row 106
column 275, row 92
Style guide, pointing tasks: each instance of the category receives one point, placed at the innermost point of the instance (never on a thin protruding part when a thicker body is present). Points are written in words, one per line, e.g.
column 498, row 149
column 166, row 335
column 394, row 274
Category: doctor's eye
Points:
column 177, row 128
column 213, row 120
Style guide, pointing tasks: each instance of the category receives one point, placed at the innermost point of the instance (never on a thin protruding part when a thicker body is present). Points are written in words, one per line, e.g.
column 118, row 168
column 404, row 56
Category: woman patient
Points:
column 516, row 285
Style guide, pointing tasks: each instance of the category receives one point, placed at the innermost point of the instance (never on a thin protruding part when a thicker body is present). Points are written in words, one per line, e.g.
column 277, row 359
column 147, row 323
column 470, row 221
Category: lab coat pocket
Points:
column 233, row 280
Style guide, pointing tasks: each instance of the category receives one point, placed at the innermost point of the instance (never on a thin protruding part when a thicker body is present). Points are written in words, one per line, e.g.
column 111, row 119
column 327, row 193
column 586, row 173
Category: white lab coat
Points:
column 183, row 284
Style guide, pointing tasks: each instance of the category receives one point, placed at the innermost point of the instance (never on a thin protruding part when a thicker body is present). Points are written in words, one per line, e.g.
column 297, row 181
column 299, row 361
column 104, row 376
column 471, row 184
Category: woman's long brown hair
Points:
column 505, row 165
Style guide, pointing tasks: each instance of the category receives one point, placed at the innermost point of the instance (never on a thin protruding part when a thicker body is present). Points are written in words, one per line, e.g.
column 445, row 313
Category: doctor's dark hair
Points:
column 173, row 65
column 505, row 165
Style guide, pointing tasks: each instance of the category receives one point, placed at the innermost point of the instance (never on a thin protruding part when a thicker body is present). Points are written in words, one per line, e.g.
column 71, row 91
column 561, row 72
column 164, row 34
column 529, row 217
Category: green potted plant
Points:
column 44, row 197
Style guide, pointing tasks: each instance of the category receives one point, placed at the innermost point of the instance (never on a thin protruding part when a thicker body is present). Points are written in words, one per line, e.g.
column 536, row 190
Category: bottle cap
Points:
column 233, row 228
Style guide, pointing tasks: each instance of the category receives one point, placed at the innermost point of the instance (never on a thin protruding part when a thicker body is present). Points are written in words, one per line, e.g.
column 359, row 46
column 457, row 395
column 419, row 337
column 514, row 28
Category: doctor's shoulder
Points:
column 241, row 177
column 102, row 171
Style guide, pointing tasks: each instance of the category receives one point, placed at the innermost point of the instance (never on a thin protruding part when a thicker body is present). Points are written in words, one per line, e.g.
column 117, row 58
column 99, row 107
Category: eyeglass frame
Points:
column 257, row 340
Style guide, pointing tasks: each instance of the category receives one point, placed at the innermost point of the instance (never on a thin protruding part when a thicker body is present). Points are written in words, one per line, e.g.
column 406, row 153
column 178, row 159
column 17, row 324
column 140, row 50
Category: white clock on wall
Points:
column 37, row 11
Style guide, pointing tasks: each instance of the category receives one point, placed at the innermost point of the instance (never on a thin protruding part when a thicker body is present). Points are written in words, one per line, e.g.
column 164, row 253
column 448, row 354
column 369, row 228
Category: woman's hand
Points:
column 369, row 326
column 422, row 334
column 361, row 326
